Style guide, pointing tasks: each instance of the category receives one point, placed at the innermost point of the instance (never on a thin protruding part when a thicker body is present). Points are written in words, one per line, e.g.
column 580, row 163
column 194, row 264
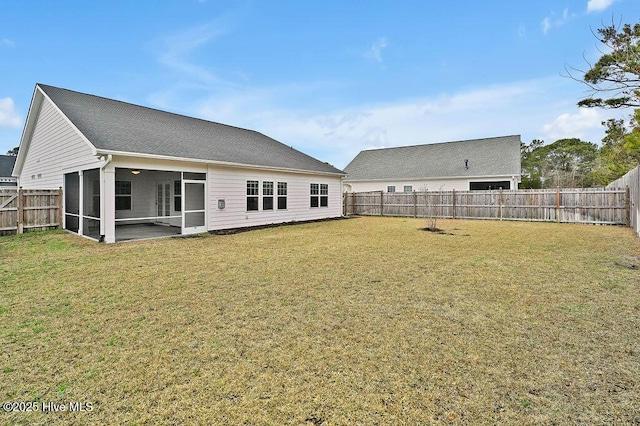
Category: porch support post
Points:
column 108, row 205
column 81, row 203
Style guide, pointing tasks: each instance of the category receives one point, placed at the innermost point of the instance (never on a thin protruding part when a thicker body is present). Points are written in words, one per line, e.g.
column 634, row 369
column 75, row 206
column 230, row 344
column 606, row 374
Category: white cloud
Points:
column 8, row 115
column 555, row 21
column 375, row 52
column 337, row 136
column 542, row 108
column 577, row 125
column 598, row 5
column 522, row 31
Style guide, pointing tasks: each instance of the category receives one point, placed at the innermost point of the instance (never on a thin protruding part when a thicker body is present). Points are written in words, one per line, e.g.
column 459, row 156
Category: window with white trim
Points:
column 267, row 195
column 282, row 195
column 319, row 195
column 123, row 195
column 315, row 195
column 391, row 188
column 252, row 195
column 408, row 188
column 177, row 195
column 324, row 195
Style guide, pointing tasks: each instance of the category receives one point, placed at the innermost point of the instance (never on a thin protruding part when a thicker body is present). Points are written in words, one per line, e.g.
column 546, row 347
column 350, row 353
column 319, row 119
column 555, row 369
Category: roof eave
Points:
column 215, row 162
column 429, row 178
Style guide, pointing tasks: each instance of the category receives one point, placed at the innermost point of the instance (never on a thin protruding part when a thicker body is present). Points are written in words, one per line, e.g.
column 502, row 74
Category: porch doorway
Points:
column 194, row 217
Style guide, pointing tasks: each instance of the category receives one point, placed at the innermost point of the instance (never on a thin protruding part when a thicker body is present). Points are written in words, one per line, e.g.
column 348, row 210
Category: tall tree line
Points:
column 614, row 82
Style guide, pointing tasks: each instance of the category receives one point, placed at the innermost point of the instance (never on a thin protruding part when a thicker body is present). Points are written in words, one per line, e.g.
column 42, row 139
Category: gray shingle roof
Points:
column 487, row 157
column 6, row 165
column 112, row 125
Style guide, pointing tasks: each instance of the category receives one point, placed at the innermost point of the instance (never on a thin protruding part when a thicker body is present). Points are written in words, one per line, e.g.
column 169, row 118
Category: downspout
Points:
column 102, row 203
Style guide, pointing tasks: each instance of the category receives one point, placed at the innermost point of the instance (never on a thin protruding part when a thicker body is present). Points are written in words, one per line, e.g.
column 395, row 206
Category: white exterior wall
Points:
column 55, row 148
column 230, row 184
column 459, row 184
column 223, row 183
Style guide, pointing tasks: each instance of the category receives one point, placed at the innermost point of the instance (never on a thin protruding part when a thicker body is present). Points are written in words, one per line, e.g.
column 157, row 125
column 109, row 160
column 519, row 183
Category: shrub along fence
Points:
column 572, row 205
column 631, row 181
column 23, row 210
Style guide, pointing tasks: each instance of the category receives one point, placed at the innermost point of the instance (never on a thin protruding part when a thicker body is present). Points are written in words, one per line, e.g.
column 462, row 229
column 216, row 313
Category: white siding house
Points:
column 129, row 170
column 489, row 163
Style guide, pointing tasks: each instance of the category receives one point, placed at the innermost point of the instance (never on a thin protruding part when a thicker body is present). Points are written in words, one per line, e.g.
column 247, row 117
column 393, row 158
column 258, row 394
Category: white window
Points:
column 324, row 195
column 282, row 195
column 408, row 188
column 123, row 195
column 177, row 195
column 315, row 192
column 252, row 195
column 319, row 195
column 267, row 195
column 391, row 188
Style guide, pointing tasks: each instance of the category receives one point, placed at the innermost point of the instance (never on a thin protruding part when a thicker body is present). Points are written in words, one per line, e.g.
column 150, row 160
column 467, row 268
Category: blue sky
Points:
column 329, row 78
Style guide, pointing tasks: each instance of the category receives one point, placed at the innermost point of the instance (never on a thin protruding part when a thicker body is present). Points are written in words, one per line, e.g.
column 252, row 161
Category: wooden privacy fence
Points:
column 573, row 205
column 631, row 181
column 23, row 210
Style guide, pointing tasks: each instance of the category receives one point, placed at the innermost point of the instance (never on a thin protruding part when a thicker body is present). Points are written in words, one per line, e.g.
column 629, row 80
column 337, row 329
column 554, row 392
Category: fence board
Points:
column 29, row 210
column 567, row 205
column 631, row 183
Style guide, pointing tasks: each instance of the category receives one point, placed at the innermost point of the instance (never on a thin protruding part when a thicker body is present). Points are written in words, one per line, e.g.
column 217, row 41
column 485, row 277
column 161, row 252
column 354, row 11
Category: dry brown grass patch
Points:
column 363, row 321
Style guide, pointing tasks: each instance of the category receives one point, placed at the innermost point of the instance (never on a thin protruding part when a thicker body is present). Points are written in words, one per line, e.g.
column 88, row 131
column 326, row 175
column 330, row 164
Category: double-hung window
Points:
column 391, row 188
column 319, row 195
column 252, row 195
column 177, row 195
column 123, row 195
column 267, row 195
column 315, row 195
column 324, row 195
column 282, row 195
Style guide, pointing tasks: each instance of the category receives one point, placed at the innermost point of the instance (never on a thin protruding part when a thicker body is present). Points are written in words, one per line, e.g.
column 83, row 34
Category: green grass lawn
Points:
column 361, row 321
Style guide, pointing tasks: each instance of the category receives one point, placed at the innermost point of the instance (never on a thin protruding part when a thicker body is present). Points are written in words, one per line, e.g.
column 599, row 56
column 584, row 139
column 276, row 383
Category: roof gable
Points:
column 485, row 157
column 6, row 165
column 118, row 127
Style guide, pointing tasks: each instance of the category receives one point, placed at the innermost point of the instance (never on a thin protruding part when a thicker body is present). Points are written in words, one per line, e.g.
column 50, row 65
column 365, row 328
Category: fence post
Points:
column 501, row 203
column 454, row 204
column 344, row 203
column 415, row 204
column 353, row 203
column 558, row 204
column 20, row 224
column 627, row 206
column 60, row 208
column 381, row 202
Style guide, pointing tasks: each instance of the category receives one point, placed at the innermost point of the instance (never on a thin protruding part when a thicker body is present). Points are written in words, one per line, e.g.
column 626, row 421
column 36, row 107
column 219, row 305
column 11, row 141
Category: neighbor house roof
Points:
column 113, row 126
column 486, row 157
column 6, row 165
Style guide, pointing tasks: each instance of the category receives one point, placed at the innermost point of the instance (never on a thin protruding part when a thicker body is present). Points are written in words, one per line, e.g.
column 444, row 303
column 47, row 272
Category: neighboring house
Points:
column 122, row 164
column 6, row 169
column 478, row 164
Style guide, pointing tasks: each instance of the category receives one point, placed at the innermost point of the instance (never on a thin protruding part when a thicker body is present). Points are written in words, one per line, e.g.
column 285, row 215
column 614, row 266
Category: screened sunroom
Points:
column 143, row 203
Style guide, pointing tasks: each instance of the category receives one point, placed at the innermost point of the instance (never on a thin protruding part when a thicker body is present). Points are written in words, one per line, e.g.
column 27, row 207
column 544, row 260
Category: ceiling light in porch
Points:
column 135, row 172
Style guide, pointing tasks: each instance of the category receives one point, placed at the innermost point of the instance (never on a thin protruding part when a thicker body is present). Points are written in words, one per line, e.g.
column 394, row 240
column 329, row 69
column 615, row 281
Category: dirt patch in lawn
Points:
column 342, row 322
